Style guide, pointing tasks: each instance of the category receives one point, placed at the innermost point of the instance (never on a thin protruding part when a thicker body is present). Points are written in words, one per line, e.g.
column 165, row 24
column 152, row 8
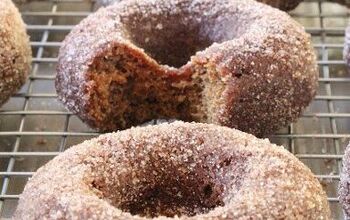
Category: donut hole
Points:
column 166, row 195
column 171, row 37
column 162, row 188
column 167, row 42
column 174, row 200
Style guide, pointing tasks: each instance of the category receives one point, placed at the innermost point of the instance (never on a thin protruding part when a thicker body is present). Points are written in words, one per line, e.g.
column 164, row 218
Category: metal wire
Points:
column 32, row 133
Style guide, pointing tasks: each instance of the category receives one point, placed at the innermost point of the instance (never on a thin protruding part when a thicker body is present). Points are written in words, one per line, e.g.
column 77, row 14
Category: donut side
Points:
column 344, row 185
column 193, row 171
column 15, row 51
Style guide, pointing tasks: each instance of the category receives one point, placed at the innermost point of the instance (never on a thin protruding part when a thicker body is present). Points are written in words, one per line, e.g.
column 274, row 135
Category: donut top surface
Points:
column 179, row 170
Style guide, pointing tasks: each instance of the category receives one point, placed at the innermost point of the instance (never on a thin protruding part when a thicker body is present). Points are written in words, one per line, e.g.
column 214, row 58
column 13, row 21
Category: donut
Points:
column 344, row 185
column 15, row 51
column 178, row 170
column 253, row 67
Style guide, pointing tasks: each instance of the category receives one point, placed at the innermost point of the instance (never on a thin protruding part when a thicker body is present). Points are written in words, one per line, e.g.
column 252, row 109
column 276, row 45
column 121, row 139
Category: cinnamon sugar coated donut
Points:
column 15, row 51
column 241, row 64
column 179, row 170
column 344, row 186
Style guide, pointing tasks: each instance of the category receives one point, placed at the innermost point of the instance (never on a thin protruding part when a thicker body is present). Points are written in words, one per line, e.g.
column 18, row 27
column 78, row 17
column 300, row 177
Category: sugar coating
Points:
column 15, row 51
column 207, row 171
column 344, row 186
column 255, row 68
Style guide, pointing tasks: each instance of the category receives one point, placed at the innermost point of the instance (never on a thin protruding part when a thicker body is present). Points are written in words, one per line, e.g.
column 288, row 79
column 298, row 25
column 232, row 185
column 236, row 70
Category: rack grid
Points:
column 35, row 127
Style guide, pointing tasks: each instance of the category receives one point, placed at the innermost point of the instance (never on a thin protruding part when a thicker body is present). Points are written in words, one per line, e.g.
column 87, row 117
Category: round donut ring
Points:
column 254, row 67
column 193, row 171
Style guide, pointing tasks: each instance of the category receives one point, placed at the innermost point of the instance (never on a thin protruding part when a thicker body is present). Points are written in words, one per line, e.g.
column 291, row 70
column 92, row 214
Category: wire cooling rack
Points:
column 35, row 127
